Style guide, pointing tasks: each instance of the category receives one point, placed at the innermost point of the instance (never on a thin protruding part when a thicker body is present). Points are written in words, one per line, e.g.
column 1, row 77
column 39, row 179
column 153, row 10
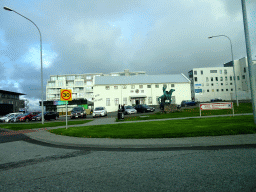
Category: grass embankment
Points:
column 166, row 129
column 23, row 126
column 192, row 112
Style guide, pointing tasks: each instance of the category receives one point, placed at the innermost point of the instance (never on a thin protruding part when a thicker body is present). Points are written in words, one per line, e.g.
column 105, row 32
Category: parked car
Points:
column 99, row 111
column 28, row 116
column 129, row 110
column 144, row 108
column 186, row 103
column 16, row 118
column 78, row 112
column 7, row 117
column 48, row 115
column 216, row 99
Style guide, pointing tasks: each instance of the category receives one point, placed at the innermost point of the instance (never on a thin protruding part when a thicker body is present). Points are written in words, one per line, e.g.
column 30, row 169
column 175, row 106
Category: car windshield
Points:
column 146, row 106
column 98, row 108
column 128, row 107
column 78, row 109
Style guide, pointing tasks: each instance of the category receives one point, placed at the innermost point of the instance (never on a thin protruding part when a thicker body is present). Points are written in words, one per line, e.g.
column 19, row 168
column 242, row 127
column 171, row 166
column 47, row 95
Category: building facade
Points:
column 219, row 82
column 80, row 84
column 131, row 90
column 11, row 98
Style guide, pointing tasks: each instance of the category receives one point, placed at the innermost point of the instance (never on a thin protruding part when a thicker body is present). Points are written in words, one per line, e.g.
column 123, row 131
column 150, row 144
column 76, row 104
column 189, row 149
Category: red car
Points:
column 28, row 116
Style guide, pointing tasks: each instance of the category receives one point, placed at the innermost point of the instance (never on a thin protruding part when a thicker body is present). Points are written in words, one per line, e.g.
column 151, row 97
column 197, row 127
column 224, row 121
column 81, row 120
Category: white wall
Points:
column 182, row 92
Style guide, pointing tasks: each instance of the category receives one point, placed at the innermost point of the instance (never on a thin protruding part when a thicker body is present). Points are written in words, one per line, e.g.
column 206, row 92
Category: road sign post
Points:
column 66, row 95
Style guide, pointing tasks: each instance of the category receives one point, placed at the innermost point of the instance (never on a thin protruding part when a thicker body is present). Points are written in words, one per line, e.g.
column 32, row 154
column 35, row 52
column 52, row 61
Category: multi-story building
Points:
column 80, row 84
column 12, row 100
column 219, row 82
column 131, row 90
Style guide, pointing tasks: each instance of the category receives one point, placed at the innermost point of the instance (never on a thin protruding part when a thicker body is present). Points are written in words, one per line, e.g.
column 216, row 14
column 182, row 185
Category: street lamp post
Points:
column 41, row 55
column 237, row 103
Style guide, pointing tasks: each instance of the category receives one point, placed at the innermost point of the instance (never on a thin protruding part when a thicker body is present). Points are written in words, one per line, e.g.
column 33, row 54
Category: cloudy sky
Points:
column 88, row 36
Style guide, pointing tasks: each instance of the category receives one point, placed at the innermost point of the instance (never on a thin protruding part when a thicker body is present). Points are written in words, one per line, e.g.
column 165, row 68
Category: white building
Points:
column 80, row 84
column 219, row 82
column 111, row 91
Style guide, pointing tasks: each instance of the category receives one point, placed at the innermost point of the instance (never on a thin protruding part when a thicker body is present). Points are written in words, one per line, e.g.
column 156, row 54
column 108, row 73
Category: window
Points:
column 221, row 78
column 70, row 77
column 107, row 87
column 230, row 78
column 207, row 79
column 124, row 86
column 231, row 89
column 216, row 78
column 148, row 86
column 115, row 87
column 195, row 79
column 53, row 78
column 238, row 78
column 207, row 84
column 231, row 83
column 79, row 83
column 222, row 89
column 195, row 72
column 141, row 86
column 88, row 83
column 226, row 89
column 88, row 77
column 60, row 83
column 61, row 78
column 156, row 86
column 132, row 91
column 149, row 100
column 211, row 78
column 221, row 84
column 226, row 83
column 202, row 72
column 142, row 91
column 132, row 86
column 212, row 90
column 225, row 71
column 220, row 71
column 217, row 90
column 172, row 85
column 243, row 77
column 226, row 78
column 207, row 90
column 244, row 70
column 125, row 100
column 212, row 84
column 213, row 71
column 107, row 101
column 78, row 77
column 116, row 101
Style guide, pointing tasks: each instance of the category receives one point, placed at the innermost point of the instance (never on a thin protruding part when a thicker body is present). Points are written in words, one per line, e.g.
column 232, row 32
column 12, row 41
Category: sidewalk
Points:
column 45, row 136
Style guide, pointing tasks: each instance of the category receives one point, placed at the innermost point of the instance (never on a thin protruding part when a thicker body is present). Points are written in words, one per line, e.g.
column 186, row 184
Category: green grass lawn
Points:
column 23, row 126
column 166, row 129
column 192, row 112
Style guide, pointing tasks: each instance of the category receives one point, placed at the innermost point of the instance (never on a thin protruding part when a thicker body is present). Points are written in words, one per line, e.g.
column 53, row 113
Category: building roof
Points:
column 11, row 92
column 141, row 79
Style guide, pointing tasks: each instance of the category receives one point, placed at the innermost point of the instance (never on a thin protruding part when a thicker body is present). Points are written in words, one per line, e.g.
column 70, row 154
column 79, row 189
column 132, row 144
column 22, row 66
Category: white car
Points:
column 129, row 110
column 99, row 111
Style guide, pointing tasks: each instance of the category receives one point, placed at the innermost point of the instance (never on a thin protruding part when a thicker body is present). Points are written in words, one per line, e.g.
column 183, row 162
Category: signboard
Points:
column 198, row 91
column 216, row 106
column 65, row 95
column 198, row 85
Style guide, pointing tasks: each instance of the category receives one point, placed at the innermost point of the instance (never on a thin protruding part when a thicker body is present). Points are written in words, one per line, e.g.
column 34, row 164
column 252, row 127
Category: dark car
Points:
column 47, row 116
column 78, row 112
column 216, row 99
column 186, row 103
column 144, row 108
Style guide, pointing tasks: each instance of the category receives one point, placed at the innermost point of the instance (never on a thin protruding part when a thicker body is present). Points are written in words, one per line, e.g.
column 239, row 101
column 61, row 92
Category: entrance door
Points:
column 137, row 102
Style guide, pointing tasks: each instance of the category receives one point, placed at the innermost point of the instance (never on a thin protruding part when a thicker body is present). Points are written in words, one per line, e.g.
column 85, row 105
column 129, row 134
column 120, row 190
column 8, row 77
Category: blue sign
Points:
column 198, row 84
column 198, row 91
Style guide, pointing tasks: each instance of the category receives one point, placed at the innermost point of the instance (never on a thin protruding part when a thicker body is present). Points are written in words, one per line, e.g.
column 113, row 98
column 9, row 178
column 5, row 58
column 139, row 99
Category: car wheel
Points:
column 55, row 117
column 27, row 120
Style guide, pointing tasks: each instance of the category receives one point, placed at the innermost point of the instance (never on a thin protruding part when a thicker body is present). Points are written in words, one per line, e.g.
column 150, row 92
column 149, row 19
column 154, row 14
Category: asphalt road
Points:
column 29, row 165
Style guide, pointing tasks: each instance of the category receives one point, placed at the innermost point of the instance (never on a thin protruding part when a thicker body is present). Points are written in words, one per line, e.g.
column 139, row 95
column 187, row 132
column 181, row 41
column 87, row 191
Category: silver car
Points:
column 99, row 111
column 129, row 110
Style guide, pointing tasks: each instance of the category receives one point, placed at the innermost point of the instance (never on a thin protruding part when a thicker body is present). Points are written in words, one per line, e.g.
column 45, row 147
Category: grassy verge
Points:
column 24, row 126
column 166, row 129
column 192, row 112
